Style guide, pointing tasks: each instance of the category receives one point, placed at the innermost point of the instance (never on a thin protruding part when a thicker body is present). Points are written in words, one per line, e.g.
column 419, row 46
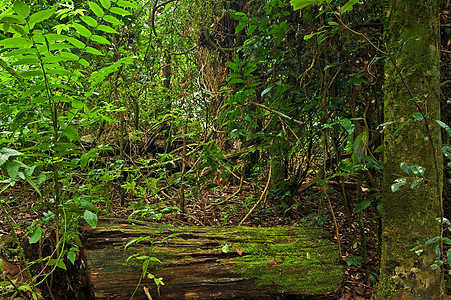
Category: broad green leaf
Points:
column 21, row 8
column 105, row 3
column 41, row 16
column 106, row 29
column 251, row 29
column 236, row 80
column 100, row 39
column 60, row 46
column 12, row 19
column 19, row 52
column 89, row 20
column 29, row 60
column 71, row 133
column 112, row 20
column 36, row 235
column 418, row 116
column 22, row 30
column 240, row 27
column 12, row 168
column 31, row 73
column 398, row 183
column 77, row 104
column 348, row 6
column 124, row 3
column 68, row 56
column 60, row 71
column 91, row 218
column 77, row 43
column 120, row 11
column 362, row 205
column 82, row 30
column 446, row 241
column 299, row 4
column 71, row 255
column 57, row 262
column 84, row 62
column 93, row 51
column 416, row 182
column 405, row 168
column 444, row 126
column 6, row 153
column 96, row 9
column 15, row 42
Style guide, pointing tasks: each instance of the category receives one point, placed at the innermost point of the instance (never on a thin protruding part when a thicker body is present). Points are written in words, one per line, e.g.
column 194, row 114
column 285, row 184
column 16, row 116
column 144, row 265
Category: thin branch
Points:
column 279, row 113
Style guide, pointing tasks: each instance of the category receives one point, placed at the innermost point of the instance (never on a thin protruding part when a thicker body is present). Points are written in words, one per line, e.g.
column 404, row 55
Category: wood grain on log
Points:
column 211, row 262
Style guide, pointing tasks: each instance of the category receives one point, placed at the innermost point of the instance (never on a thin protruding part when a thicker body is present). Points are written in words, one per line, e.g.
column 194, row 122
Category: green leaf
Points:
column 106, row 29
column 21, row 8
column 446, row 241
column 77, row 43
column 91, row 218
column 240, row 27
column 15, row 42
column 299, row 4
column 120, row 11
column 225, row 248
column 93, row 51
column 105, row 3
column 58, row 262
column 41, row 16
column 100, row 39
column 236, row 80
column 416, row 182
column 77, row 104
column 398, row 183
column 251, row 29
column 12, row 168
column 112, row 20
column 444, row 126
column 28, row 60
column 418, row 116
column 6, row 153
column 89, row 21
column 96, row 9
column 12, row 19
column 71, row 133
column 405, row 168
column 36, row 235
column 362, row 205
column 82, row 30
column 71, row 255
column 348, row 6
column 124, row 3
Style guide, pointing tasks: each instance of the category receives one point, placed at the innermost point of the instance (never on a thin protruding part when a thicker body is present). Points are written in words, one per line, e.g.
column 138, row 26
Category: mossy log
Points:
column 211, row 262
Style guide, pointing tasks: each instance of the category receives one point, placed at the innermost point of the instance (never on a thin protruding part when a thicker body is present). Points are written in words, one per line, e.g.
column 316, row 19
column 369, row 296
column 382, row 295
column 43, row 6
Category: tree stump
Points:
column 210, row 262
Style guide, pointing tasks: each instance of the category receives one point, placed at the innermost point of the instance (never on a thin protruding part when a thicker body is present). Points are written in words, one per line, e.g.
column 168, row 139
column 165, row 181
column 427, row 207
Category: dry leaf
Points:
column 239, row 251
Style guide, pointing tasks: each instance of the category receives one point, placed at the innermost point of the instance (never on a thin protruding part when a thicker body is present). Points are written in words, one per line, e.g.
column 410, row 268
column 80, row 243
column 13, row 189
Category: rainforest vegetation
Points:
column 306, row 113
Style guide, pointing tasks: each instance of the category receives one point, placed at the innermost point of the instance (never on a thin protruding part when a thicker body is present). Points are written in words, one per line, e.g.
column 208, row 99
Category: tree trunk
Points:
column 211, row 262
column 411, row 91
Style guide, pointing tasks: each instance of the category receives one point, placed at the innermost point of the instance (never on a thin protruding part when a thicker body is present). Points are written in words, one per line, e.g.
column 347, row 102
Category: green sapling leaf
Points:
column 21, row 8
column 91, row 218
column 36, row 235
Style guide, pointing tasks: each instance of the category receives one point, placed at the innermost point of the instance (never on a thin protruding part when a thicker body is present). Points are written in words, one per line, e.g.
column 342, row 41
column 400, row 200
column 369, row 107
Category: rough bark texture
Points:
column 261, row 263
column 409, row 215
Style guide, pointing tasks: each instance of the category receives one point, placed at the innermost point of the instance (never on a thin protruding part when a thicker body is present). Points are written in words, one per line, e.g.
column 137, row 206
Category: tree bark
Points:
column 411, row 93
column 212, row 262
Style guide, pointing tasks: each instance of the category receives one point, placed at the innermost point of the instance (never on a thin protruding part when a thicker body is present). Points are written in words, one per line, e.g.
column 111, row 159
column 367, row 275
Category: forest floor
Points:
column 217, row 207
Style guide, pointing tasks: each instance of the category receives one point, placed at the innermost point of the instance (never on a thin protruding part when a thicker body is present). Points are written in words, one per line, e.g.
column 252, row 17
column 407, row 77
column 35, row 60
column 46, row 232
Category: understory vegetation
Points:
column 200, row 112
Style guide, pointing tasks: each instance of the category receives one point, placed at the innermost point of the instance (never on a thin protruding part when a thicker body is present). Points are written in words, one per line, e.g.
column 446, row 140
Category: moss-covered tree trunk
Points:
column 411, row 91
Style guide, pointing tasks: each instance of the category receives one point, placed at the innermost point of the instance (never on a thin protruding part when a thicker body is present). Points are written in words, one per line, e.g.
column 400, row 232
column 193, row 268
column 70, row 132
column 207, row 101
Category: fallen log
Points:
column 210, row 262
